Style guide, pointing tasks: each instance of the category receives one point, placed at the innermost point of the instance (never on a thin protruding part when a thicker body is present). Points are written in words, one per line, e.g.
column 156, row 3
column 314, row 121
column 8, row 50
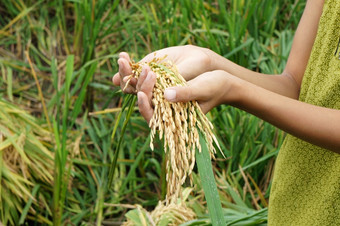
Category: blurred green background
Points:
column 57, row 59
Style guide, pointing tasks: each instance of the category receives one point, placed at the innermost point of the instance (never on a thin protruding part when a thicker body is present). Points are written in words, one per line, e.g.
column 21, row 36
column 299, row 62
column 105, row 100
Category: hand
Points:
column 191, row 61
column 145, row 84
column 209, row 89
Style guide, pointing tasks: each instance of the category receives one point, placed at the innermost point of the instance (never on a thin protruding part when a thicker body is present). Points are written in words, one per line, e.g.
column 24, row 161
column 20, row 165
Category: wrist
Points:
column 218, row 62
column 237, row 92
column 211, row 59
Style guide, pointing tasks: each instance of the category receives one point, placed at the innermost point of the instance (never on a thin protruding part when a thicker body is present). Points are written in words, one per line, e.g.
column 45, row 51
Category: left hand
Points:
column 190, row 60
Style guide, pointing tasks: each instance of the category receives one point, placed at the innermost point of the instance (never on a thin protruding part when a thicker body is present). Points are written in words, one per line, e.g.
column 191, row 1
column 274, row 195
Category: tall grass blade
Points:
column 61, row 173
column 28, row 204
column 130, row 103
column 10, row 83
column 77, row 106
column 209, row 185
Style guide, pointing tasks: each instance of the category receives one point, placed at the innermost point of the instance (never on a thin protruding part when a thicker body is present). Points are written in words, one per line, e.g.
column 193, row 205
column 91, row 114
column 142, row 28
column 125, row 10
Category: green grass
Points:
column 65, row 153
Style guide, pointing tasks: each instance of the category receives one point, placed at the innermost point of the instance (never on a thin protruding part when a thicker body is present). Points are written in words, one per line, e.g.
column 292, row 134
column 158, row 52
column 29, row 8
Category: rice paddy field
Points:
column 74, row 149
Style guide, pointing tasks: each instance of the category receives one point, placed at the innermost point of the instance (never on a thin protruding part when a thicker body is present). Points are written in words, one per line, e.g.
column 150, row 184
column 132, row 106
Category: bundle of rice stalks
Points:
column 178, row 124
column 25, row 162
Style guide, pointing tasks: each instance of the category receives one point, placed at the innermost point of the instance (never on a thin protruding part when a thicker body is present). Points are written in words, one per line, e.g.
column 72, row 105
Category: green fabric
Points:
column 306, row 184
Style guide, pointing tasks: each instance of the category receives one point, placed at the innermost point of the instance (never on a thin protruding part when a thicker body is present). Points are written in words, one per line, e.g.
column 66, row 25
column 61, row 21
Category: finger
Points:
column 205, row 107
column 141, row 79
column 186, row 94
column 184, row 69
column 129, row 89
column 125, row 55
column 148, row 84
column 124, row 67
column 144, row 106
column 116, row 79
column 188, row 69
column 181, row 93
column 133, row 81
column 124, row 71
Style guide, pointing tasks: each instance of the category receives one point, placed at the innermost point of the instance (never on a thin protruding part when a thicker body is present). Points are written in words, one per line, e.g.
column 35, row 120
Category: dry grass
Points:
column 24, row 160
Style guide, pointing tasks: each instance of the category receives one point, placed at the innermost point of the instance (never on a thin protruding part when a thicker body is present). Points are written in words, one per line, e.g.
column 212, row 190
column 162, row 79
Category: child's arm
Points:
column 260, row 94
column 288, row 83
column 193, row 61
column 314, row 124
column 265, row 96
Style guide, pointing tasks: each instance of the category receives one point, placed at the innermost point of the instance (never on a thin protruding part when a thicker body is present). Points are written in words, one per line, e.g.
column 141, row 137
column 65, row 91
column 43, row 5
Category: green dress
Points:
column 306, row 183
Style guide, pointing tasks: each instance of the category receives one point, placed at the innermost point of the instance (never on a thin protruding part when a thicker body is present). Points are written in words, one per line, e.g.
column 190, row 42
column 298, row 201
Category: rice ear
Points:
column 178, row 124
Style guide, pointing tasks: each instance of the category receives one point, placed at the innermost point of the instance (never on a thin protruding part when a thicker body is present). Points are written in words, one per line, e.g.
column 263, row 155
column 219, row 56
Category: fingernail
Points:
column 170, row 94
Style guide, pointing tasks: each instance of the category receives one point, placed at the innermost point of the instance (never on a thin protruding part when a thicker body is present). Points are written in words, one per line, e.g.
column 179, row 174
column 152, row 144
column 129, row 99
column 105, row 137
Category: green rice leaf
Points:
column 209, row 185
column 28, row 204
column 131, row 104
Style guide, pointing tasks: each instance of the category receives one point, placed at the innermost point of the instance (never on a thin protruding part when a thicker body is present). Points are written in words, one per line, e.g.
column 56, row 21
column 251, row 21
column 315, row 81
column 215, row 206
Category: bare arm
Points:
column 193, row 61
column 288, row 83
column 270, row 97
column 314, row 124
column 267, row 96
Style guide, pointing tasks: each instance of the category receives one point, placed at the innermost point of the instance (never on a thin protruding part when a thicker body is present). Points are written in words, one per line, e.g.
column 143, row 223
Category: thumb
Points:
column 180, row 94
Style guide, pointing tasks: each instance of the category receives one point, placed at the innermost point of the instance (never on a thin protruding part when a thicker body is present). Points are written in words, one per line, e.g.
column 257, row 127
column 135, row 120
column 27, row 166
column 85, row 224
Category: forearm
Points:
column 282, row 84
column 314, row 124
column 288, row 83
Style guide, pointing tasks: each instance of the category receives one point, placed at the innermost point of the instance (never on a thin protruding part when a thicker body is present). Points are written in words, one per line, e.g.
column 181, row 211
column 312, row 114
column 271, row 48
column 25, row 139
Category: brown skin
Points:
column 214, row 80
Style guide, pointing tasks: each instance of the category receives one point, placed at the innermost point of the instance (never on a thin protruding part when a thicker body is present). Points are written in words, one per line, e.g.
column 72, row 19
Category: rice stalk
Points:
column 172, row 214
column 184, row 129
column 39, row 90
column 179, row 124
column 24, row 162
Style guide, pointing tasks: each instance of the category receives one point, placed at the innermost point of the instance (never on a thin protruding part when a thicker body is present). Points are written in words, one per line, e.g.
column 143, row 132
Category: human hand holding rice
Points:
column 207, row 86
column 190, row 61
column 169, row 104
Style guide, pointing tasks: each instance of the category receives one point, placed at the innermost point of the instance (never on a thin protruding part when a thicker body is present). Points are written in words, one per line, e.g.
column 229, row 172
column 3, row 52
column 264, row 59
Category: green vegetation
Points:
column 57, row 59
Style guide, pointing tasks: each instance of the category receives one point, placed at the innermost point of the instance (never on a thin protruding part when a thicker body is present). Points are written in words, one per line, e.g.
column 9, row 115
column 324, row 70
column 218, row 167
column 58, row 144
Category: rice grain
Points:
column 178, row 124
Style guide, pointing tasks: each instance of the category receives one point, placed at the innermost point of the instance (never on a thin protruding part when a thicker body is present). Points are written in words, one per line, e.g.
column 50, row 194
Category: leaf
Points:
column 131, row 103
column 209, row 185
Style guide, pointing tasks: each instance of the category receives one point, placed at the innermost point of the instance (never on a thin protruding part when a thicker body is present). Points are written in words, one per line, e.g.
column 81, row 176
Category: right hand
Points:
column 209, row 89
column 191, row 61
